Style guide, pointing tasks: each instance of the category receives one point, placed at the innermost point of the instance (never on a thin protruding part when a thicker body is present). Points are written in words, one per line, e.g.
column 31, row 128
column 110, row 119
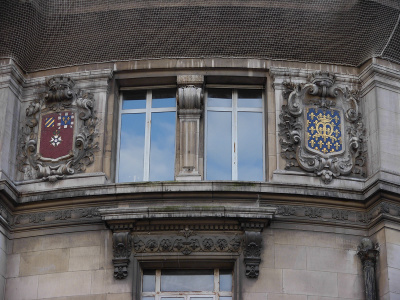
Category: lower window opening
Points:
column 175, row 284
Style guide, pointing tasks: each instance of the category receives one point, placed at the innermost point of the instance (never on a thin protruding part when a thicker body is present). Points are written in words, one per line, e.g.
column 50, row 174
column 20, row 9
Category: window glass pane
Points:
column 225, row 298
column 187, row 280
column 250, row 149
column 172, row 298
column 164, row 98
column 225, row 280
column 249, row 98
column 131, row 152
column 149, row 281
column 162, row 147
column 148, row 298
column 219, row 98
column 219, row 145
column 201, row 298
column 134, row 99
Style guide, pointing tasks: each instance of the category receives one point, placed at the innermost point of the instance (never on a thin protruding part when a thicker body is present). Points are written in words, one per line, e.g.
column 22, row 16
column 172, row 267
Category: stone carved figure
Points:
column 321, row 128
column 58, row 136
column 368, row 253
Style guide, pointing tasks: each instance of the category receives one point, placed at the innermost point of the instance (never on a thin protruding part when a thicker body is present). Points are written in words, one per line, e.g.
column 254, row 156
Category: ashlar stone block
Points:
column 84, row 258
column 310, row 283
column 332, row 260
column 22, row 288
column 64, row 284
column 44, row 262
column 290, row 257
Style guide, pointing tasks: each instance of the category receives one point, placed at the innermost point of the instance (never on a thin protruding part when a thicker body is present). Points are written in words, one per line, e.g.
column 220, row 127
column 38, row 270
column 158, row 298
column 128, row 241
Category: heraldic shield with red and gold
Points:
column 56, row 134
column 59, row 134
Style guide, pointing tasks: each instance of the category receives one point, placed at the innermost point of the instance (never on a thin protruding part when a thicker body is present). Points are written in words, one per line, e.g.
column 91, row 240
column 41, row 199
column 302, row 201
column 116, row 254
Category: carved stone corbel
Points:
column 368, row 253
column 122, row 248
column 190, row 93
column 252, row 247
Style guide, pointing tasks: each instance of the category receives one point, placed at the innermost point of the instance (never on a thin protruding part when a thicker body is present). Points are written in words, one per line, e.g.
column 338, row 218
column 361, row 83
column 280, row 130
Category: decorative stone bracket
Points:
column 122, row 248
column 368, row 253
column 252, row 250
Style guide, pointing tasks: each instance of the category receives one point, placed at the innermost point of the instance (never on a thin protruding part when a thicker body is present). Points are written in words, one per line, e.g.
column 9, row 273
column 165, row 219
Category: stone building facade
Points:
column 227, row 170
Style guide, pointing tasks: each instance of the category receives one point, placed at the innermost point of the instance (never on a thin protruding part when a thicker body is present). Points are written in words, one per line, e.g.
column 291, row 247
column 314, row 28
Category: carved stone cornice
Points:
column 334, row 216
column 368, row 252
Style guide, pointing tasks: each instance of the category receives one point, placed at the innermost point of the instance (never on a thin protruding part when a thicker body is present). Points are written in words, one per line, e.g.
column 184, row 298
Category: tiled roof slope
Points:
column 43, row 34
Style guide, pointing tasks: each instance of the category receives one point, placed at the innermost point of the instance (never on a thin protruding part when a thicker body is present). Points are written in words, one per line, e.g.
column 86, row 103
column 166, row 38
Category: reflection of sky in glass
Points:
column 151, row 298
column 219, row 145
column 187, row 280
column 225, row 281
column 164, row 98
column 225, row 298
column 250, row 150
column 149, row 281
column 162, row 147
column 134, row 99
column 249, row 98
column 132, row 148
column 219, row 98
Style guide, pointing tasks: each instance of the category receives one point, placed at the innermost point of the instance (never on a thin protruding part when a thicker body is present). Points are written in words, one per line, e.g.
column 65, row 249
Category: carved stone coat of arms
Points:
column 57, row 138
column 321, row 128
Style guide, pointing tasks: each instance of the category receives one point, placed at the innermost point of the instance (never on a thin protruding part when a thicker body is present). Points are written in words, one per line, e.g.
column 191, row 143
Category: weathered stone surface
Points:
column 332, row 260
column 103, row 282
column 350, row 286
column 13, row 261
column 44, row 262
column 22, row 288
column 84, row 258
column 64, row 284
column 290, row 257
column 310, row 283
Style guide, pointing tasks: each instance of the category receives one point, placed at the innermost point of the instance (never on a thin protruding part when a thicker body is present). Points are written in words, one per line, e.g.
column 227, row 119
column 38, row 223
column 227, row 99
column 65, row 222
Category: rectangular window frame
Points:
column 147, row 111
column 235, row 109
column 187, row 295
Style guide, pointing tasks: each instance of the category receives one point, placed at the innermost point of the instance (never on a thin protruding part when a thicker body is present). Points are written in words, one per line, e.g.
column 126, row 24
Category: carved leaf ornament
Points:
column 321, row 128
column 58, row 136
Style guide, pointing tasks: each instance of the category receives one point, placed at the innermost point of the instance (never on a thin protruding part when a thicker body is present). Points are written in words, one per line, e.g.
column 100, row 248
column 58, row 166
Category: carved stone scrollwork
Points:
column 321, row 128
column 186, row 242
column 122, row 247
column 58, row 136
column 368, row 253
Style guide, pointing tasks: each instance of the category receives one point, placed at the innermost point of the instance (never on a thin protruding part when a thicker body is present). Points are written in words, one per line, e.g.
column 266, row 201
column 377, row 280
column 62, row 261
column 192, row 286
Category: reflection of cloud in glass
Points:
column 162, row 151
column 131, row 148
column 250, row 150
column 219, row 146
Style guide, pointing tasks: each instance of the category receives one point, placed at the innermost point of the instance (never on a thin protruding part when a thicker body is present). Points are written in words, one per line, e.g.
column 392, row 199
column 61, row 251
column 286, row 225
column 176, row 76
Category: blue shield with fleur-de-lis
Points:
column 324, row 131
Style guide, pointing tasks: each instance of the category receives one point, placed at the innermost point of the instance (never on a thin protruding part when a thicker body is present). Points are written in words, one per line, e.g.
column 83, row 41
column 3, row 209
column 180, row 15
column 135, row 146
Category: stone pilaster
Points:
column 190, row 92
column 368, row 253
